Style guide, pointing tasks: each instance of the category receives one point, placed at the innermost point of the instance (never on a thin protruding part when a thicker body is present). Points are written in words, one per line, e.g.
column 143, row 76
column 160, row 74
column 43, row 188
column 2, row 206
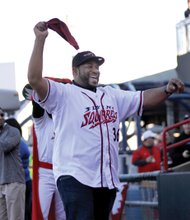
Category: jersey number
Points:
column 116, row 134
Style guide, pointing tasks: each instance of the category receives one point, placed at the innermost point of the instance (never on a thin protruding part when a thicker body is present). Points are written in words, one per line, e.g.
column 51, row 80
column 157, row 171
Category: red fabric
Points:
column 63, row 80
column 142, row 153
column 45, row 165
column 36, row 209
column 119, row 203
column 61, row 28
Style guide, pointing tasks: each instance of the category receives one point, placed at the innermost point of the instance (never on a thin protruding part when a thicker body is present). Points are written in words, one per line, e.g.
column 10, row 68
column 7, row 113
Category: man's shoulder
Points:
column 59, row 87
column 11, row 129
column 139, row 149
column 107, row 88
column 156, row 147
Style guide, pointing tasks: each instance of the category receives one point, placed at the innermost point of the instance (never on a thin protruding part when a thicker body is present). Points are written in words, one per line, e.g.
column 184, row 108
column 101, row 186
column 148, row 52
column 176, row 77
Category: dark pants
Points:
column 82, row 202
column 28, row 200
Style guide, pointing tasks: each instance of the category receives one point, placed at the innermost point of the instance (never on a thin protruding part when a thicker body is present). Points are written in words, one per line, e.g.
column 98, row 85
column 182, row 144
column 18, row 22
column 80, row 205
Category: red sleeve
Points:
column 135, row 156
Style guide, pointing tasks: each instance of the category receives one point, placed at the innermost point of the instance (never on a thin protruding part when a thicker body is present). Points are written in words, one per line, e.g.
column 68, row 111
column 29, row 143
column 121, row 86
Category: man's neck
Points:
column 93, row 89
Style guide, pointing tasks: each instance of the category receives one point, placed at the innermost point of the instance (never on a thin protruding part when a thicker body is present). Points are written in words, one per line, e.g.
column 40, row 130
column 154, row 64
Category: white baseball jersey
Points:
column 45, row 137
column 86, row 130
column 47, row 188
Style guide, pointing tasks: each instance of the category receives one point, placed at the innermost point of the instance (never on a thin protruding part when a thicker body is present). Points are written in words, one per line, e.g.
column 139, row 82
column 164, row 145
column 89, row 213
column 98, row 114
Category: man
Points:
column 86, row 119
column 181, row 154
column 25, row 157
column 12, row 178
column 45, row 192
column 147, row 157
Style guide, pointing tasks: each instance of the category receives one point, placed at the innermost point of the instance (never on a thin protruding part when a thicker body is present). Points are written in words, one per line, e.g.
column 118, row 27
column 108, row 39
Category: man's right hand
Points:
column 41, row 30
column 150, row 159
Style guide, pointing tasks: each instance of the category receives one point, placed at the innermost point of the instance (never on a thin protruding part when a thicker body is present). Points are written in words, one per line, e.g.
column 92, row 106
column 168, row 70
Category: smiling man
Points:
column 87, row 120
column 86, row 69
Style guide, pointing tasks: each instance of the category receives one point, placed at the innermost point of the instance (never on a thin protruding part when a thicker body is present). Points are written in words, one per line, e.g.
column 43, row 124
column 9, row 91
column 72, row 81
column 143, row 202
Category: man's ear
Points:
column 75, row 71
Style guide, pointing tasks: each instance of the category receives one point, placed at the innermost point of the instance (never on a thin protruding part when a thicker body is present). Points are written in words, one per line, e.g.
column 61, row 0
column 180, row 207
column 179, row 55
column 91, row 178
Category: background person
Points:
column 86, row 119
column 25, row 156
column 12, row 178
column 181, row 154
column 47, row 203
column 147, row 158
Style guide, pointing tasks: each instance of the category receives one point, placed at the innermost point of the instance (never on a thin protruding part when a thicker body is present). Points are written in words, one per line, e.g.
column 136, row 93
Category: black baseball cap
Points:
column 85, row 56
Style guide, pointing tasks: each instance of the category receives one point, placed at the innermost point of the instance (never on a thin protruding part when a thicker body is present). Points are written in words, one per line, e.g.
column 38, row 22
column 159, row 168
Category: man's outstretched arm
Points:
column 154, row 97
column 35, row 68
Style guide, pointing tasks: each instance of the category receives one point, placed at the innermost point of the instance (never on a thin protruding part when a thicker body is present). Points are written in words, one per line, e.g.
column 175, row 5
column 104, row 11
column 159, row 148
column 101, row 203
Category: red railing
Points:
column 167, row 147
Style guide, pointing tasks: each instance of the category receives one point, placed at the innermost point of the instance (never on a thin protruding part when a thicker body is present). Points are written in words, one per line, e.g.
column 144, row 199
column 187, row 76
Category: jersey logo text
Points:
column 95, row 117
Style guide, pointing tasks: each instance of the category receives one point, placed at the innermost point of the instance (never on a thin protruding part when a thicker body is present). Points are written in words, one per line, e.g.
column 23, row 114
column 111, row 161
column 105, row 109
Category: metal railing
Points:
column 142, row 196
column 167, row 147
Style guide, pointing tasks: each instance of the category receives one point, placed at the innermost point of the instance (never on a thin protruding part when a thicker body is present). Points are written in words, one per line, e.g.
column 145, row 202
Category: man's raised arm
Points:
column 35, row 68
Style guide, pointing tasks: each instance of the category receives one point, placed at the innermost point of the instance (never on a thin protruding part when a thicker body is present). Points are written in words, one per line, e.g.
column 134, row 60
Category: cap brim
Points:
column 27, row 92
column 99, row 60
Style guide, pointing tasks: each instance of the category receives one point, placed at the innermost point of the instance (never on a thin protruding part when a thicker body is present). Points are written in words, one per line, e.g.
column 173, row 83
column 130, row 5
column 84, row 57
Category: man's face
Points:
column 2, row 120
column 186, row 128
column 149, row 142
column 87, row 75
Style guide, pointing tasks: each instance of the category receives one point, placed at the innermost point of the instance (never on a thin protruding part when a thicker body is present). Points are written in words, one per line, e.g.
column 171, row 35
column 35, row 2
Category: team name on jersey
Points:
column 94, row 116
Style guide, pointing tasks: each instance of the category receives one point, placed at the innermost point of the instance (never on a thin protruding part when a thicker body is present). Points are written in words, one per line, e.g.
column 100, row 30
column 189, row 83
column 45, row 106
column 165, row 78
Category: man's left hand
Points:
column 175, row 85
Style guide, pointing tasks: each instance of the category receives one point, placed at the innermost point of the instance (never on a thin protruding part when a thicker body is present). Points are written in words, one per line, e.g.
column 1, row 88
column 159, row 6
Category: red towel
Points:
column 61, row 28
column 119, row 203
column 60, row 80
